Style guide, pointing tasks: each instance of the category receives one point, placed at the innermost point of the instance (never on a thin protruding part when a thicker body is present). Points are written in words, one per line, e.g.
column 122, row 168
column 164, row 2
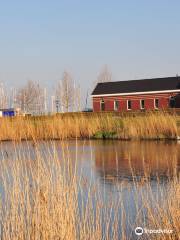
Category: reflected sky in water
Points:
column 110, row 166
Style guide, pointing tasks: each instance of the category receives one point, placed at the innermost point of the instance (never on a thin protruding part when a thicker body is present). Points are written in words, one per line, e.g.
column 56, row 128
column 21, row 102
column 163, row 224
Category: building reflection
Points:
column 117, row 160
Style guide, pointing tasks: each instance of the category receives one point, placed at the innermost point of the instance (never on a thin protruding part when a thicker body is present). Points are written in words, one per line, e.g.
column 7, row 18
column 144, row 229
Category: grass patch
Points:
column 105, row 135
column 106, row 126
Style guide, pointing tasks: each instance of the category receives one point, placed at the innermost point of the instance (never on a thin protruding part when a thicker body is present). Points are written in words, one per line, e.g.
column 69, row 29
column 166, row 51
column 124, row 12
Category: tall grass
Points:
column 44, row 199
column 150, row 125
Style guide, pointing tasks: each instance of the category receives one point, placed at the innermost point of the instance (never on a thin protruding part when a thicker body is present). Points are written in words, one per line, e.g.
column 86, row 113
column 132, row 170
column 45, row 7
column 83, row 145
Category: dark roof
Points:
column 144, row 85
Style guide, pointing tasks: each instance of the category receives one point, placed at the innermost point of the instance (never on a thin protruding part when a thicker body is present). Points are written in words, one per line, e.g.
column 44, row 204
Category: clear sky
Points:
column 39, row 39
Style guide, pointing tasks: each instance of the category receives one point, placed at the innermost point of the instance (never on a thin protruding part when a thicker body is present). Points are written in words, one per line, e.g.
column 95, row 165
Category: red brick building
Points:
column 146, row 94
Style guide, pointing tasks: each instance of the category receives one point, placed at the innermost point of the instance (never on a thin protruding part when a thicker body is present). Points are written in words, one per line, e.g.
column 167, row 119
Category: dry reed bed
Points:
column 147, row 126
column 41, row 201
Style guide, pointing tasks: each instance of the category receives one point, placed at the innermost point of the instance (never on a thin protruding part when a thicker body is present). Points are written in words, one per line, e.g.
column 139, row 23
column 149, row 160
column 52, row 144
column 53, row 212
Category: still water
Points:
column 112, row 166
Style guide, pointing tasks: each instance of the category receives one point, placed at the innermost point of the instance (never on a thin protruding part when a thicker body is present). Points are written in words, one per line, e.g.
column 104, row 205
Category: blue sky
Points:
column 39, row 39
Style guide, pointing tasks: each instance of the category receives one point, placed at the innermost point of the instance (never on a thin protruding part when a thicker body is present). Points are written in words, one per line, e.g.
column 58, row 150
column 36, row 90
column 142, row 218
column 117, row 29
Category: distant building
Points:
column 9, row 112
column 146, row 94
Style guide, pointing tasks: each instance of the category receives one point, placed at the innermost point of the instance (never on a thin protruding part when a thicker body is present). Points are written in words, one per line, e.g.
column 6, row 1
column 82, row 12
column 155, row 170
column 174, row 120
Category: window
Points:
column 172, row 102
column 142, row 104
column 129, row 104
column 116, row 105
column 102, row 105
column 156, row 103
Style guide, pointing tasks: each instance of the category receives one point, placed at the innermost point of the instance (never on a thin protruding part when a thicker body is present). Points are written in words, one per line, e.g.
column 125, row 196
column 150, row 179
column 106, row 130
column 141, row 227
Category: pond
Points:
column 126, row 170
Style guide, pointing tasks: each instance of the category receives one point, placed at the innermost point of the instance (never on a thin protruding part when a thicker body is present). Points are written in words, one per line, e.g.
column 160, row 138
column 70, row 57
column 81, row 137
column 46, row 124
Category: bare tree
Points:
column 12, row 97
column 65, row 92
column 105, row 75
column 30, row 98
column 57, row 98
column 77, row 98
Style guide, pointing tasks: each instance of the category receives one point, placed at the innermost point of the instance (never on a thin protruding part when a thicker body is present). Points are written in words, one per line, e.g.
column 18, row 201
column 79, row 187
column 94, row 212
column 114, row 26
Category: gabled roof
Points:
column 138, row 86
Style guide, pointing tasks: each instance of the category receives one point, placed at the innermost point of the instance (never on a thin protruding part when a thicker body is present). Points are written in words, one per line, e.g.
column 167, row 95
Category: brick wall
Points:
column 135, row 101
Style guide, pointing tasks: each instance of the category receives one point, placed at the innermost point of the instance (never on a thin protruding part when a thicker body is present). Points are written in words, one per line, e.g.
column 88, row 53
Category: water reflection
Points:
column 108, row 160
column 114, row 163
column 122, row 160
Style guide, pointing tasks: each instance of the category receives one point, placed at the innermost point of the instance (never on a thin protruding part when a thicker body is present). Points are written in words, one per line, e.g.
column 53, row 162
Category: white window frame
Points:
column 128, row 104
column 115, row 105
column 141, row 104
column 155, row 103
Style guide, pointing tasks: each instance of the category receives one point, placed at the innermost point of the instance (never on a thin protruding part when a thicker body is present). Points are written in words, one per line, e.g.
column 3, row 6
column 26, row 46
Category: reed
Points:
column 147, row 126
column 43, row 199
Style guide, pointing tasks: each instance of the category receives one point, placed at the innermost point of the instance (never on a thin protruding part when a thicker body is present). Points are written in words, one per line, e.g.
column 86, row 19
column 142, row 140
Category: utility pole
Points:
column 57, row 105
column 52, row 103
column 86, row 99
column 45, row 101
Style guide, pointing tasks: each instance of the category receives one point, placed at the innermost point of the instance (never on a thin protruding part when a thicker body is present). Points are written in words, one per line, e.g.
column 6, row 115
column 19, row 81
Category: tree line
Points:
column 32, row 97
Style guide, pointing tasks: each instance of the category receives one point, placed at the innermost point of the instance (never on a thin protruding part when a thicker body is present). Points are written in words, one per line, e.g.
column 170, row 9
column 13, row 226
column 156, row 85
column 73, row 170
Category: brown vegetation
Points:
column 41, row 201
column 147, row 126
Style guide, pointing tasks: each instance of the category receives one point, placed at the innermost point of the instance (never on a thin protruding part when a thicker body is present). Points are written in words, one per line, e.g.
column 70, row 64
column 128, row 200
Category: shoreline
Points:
column 155, row 139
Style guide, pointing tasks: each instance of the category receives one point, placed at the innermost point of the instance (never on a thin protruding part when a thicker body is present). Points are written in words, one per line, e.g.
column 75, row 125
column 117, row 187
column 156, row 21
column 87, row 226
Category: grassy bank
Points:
column 147, row 126
column 41, row 200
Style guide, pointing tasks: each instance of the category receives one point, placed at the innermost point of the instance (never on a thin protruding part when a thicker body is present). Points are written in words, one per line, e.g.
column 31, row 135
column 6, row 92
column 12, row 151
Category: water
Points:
column 113, row 167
